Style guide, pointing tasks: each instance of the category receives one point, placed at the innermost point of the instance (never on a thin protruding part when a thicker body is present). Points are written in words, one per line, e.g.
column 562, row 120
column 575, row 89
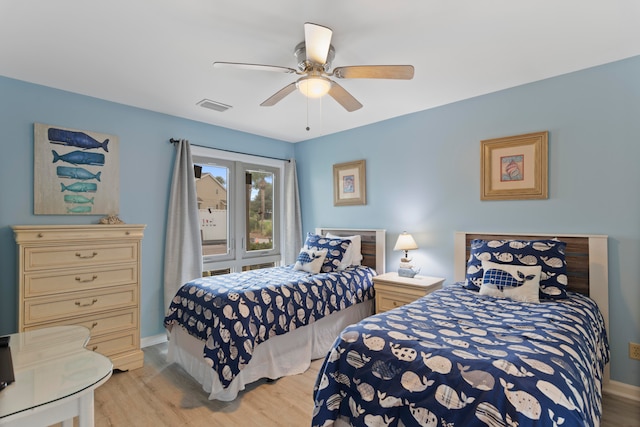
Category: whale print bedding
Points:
column 459, row 358
column 235, row 312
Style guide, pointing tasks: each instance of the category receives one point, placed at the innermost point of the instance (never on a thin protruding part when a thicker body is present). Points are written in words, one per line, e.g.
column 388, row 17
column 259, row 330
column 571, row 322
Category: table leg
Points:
column 85, row 410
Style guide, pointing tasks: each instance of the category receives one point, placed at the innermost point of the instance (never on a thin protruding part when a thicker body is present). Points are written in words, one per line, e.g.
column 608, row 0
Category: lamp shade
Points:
column 405, row 242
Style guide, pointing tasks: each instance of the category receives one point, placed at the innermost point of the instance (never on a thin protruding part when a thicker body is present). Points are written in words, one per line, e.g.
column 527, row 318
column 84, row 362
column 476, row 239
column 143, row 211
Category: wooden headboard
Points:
column 587, row 265
column 586, row 255
column 373, row 244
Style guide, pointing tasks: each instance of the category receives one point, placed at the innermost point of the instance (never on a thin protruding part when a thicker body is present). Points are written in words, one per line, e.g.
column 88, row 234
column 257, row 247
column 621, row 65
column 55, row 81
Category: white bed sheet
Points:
column 279, row 356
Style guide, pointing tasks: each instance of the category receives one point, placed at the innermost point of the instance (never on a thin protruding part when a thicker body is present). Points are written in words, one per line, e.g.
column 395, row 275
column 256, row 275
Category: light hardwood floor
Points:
column 160, row 394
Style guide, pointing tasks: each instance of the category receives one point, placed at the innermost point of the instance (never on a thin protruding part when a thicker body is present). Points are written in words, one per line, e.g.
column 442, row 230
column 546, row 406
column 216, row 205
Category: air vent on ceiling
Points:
column 213, row 105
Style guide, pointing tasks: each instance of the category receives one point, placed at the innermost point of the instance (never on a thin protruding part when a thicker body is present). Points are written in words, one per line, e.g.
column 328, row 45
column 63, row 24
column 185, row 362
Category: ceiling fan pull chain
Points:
column 321, row 116
column 308, row 128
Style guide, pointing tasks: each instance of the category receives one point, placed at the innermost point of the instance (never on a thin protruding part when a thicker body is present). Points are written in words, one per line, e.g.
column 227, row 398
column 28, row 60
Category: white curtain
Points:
column 292, row 217
column 183, row 250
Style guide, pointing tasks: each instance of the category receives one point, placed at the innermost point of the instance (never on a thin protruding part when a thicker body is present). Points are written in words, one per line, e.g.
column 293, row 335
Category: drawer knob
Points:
column 79, row 279
column 79, row 255
column 79, row 304
column 94, row 325
column 95, row 347
column 40, row 235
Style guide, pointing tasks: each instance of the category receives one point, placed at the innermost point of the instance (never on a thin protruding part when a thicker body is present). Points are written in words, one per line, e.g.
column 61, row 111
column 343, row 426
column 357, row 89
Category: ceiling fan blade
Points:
column 344, row 98
column 257, row 67
column 317, row 40
column 277, row 97
column 401, row 72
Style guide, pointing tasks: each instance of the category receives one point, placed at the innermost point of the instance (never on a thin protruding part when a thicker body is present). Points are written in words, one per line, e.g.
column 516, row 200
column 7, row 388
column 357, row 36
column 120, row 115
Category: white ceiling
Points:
column 158, row 54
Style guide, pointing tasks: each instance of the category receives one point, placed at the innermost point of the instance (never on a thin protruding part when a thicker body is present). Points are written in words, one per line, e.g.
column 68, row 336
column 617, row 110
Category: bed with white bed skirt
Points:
column 281, row 354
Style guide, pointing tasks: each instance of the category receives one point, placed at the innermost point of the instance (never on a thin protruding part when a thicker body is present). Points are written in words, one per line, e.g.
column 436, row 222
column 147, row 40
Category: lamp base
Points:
column 407, row 272
column 405, row 263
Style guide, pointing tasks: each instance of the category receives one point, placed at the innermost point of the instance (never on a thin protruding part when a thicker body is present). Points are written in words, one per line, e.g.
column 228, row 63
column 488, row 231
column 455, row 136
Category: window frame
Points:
column 276, row 221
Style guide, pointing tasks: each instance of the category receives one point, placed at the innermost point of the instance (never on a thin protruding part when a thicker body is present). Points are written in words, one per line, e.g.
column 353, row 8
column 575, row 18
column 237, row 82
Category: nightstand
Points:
column 394, row 291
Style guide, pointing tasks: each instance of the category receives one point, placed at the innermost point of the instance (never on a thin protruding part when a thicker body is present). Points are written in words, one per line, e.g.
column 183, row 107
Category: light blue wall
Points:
column 423, row 175
column 146, row 163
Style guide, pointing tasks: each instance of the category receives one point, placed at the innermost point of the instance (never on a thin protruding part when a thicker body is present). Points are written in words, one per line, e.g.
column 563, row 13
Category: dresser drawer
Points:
column 26, row 235
column 389, row 300
column 48, row 257
column 48, row 309
column 55, row 281
column 112, row 344
column 100, row 324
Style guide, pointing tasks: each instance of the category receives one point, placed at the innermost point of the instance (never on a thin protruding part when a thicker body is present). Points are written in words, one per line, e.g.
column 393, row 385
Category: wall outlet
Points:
column 634, row 351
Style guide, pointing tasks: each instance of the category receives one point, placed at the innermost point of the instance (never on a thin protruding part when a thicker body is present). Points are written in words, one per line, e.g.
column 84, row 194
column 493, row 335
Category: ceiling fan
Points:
column 314, row 56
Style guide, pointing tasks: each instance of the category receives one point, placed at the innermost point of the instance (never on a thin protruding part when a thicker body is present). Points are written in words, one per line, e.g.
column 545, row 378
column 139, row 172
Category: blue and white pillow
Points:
column 547, row 253
column 336, row 249
column 516, row 282
column 310, row 260
column 353, row 256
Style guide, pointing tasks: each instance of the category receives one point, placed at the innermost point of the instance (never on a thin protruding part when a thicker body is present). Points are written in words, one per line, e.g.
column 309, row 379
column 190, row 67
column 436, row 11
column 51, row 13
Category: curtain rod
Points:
column 175, row 141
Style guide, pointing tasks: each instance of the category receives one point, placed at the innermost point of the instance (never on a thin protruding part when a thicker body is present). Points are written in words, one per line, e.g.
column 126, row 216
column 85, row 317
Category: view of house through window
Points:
column 211, row 189
column 238, row 209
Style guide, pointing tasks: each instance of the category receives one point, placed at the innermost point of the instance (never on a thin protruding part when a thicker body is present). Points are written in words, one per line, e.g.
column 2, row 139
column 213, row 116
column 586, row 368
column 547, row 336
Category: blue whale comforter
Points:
column 233, row 313
column 457, row 358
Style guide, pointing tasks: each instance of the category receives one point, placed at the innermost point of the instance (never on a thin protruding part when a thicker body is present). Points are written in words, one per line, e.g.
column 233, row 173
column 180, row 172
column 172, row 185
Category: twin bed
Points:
column 454, row 358
column 229, row 331
column 460, row 357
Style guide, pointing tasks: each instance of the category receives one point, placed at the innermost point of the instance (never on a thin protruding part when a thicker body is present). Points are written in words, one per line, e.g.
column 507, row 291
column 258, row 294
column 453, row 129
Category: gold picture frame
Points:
column 349, row 183
column 514, row 167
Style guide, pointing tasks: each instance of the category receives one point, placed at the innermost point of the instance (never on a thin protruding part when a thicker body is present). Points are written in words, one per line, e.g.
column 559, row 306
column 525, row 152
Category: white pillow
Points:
column 310, row 260
column 353, row 256
column 516, row 282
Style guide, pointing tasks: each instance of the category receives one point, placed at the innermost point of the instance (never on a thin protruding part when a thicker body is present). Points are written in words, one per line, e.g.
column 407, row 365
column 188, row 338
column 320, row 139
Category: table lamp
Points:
column 406, row 243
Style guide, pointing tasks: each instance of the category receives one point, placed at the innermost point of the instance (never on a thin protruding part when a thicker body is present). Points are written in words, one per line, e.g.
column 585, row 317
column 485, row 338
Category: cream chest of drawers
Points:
column 85, row 275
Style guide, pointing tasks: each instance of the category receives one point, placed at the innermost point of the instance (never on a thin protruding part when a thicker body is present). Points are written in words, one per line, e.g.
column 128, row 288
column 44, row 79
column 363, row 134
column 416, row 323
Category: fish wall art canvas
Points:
column 76, row 172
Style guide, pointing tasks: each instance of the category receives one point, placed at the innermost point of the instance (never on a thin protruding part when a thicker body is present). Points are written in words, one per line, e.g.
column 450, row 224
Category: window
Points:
column 239, row 208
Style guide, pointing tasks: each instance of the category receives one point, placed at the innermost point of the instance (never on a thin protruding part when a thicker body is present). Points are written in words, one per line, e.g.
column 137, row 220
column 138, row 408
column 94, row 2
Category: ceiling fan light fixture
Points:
column 314, row 86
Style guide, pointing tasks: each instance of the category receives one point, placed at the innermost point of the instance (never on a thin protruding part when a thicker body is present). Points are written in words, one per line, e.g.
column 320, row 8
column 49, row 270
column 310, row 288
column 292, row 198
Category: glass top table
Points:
column 55, row 376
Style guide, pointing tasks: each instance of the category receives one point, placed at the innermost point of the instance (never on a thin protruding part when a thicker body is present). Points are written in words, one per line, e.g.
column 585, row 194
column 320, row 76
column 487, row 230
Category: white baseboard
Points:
column 153, row 340
column 627, row 391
